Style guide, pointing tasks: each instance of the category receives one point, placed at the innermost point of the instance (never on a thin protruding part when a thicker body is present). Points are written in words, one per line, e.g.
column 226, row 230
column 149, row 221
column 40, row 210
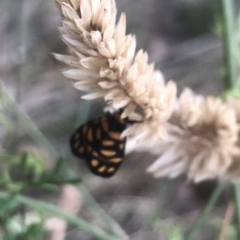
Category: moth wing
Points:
column 100, row 144
column 105, row 146
column 78, row 141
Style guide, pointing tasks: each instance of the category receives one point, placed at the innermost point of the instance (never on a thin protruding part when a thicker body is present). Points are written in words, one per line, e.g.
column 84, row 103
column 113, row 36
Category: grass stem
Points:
column 39, row 137
column 228, row 42
column 211, row 202
column 237, row 203
column 51, row 210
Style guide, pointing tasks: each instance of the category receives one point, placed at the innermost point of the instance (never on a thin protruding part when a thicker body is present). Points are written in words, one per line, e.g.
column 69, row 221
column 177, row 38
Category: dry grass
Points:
column 146, row 208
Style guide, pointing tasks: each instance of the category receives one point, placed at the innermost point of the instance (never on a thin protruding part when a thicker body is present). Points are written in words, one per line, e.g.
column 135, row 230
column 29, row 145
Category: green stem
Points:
column 50, row 209
column 228, row 41
column 231, row 79
column 28, row 124
column 92, row 204
column 237, row 203
column 37, row 135
column 211, row 202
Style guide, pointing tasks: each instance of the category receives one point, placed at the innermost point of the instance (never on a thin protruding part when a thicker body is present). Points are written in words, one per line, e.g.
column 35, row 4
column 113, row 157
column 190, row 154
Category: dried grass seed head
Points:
column 233, row 172
column 202, row 142
column 101, row 62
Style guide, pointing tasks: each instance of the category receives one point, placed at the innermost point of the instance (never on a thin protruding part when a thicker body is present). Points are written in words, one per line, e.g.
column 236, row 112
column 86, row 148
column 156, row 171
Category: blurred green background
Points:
column 181, row 37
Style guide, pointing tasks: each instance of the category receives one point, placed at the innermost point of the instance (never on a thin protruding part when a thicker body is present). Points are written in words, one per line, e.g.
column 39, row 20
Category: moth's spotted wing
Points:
column 77, row 141
column 99, row 142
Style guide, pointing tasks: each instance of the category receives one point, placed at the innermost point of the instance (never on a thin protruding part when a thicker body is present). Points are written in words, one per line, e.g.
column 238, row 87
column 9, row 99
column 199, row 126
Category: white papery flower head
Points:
column 202, row 140
column 233, row 172
column 103, row 63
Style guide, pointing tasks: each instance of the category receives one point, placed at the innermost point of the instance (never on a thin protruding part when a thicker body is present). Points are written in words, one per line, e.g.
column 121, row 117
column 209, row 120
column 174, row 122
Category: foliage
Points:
column 18, row 175
column 22, row 172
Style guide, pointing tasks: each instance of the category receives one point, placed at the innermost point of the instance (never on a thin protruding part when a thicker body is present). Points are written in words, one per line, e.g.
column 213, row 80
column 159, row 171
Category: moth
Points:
column 100, row 144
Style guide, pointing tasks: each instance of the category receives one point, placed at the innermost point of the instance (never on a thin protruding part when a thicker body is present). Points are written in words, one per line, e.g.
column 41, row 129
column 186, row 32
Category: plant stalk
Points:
column 237, row 203
column 50, row 209
column 39, row 137
column 211, row 202
column 228, row 43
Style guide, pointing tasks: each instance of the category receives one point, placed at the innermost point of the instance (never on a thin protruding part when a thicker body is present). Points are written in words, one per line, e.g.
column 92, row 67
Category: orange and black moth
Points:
column 100, row 144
